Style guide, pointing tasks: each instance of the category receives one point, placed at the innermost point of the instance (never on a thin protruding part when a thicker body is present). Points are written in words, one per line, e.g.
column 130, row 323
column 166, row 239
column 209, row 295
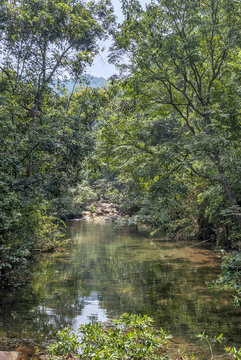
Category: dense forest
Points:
column 161, row 139
column 45, row 133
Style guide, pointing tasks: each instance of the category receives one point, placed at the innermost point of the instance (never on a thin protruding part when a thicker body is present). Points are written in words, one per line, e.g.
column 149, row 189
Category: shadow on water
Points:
column 107, row 273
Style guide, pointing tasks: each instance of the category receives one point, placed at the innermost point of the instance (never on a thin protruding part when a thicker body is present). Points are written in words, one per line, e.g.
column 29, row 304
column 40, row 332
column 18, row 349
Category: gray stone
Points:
column 9, row 355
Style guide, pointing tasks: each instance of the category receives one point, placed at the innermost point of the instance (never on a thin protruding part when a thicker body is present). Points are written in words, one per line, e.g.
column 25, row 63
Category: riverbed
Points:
column 106, row 272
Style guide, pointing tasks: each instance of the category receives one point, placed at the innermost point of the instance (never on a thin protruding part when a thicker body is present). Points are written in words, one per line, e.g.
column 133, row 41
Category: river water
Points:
column 107, row 272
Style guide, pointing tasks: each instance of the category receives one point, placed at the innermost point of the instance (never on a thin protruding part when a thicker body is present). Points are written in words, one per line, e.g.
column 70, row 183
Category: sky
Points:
column 101, row 67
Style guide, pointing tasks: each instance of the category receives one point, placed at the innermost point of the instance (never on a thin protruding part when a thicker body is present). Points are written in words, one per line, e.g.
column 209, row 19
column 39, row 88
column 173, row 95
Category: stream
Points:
column 107, row 272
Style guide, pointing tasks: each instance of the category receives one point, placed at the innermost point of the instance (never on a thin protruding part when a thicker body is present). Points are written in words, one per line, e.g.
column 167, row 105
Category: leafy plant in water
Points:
column 66, row 343
column 130, row 337
column 211, row 341
column 231, row 351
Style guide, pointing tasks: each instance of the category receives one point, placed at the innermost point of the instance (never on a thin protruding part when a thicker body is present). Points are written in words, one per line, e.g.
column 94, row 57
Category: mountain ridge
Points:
column 87, row 80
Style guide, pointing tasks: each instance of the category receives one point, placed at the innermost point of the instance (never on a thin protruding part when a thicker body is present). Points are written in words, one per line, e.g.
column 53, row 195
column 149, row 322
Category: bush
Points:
column 130, row 337
column 230, row 278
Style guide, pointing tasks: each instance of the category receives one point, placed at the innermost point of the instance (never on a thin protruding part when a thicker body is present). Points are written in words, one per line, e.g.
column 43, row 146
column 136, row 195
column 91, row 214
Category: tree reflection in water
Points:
column 107, row 273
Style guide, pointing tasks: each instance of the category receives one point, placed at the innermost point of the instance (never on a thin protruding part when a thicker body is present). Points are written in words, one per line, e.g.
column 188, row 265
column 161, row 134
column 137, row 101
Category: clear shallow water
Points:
column 107, row 273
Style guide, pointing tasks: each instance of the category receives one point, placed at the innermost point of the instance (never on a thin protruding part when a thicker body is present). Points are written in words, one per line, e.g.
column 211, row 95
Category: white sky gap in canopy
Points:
column 101, row 67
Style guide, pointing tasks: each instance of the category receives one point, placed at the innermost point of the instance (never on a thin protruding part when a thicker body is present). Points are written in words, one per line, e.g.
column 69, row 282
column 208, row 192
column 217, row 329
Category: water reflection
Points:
column 107, row 273
column 91, row 312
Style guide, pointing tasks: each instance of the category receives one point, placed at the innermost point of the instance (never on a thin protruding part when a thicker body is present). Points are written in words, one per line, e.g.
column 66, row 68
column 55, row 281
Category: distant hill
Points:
column 87, row 80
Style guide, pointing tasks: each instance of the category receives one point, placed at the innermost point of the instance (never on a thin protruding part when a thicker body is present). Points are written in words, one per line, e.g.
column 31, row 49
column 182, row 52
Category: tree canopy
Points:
column 179, row 116
column 45, row 134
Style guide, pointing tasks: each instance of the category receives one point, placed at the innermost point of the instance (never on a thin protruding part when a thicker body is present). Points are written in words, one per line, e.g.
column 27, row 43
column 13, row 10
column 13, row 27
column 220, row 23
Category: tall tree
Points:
column 42, row 40
column 44, row 136
column 184, row 58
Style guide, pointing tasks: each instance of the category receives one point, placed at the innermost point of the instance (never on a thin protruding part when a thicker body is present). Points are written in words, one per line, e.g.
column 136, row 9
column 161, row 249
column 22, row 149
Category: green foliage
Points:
column 50, row 232
column 171, row 131
column 230, row 278
column 44, row 136
column 66, row 343
column 232, row 352
column 130, row 337
column 39, row 180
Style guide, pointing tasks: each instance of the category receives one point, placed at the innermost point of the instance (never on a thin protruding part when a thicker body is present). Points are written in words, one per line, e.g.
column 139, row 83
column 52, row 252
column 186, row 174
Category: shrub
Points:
column 230, row 277
column 130, row 337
